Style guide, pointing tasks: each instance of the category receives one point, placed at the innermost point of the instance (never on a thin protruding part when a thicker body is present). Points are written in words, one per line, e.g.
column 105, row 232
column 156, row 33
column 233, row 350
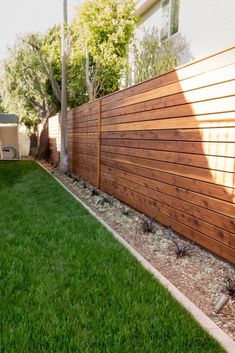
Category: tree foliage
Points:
column 153, row 57
column 77, row 90
column 31, row 82
column 105, row 29
column 1, row 105
column 24, row 83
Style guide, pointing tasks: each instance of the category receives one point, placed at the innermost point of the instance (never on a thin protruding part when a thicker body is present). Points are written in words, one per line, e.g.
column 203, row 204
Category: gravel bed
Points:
column 199, row 274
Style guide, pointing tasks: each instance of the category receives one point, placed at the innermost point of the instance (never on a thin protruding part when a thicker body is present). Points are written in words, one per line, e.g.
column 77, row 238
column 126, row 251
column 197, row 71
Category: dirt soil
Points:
column 199, row 274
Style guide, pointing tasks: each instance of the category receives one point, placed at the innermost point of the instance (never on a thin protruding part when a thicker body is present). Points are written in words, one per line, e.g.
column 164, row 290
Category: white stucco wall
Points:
column 151, row 18
column 207, row 25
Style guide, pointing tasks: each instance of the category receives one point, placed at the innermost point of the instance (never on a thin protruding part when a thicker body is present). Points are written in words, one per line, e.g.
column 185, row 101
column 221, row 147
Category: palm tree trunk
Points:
column 64, row 149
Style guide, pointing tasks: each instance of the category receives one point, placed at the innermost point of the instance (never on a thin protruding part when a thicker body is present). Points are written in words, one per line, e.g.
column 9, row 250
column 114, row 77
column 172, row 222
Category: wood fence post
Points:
column 99, row 141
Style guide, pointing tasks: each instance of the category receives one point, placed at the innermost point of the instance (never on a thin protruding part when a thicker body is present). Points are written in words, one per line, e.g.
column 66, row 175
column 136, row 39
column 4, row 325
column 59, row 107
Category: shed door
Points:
column 9, row 137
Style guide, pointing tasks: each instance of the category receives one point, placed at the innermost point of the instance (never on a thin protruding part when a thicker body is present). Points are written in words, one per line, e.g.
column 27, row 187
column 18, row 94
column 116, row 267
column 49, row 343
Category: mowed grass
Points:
column 68, row 286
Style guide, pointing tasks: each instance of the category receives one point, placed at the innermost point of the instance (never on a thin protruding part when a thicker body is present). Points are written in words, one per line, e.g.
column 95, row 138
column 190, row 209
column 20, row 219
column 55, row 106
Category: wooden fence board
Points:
column 225, row 164
column 135, row 201
column 222, row 178
column 172, row 101
column 204, row 148
column 201, row 187
column 202, row 121
column 220, row 105
column 226, row 224
column 174, row 94
column 208, row 202
column 197, row 134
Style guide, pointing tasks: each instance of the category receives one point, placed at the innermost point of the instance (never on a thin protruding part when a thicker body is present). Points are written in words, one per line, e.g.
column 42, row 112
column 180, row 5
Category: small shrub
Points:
column 229, row 287
column 147, row 225
column 95, row 192
column 76, row 179
column 107, row 199
column 126, row 211
column 153, row 57
column 84, row 184
column 181, row 250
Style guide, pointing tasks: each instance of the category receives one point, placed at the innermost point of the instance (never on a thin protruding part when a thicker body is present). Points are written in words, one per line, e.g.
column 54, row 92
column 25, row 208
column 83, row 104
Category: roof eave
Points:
column 145, row 7
column 9, row 119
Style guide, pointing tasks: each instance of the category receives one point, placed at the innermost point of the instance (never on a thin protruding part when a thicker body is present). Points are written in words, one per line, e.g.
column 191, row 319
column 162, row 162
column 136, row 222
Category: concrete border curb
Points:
column 198, row 315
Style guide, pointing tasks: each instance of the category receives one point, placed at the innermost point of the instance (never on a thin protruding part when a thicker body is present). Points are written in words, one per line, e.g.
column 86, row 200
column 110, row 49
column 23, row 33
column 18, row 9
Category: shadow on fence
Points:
column 166, row 147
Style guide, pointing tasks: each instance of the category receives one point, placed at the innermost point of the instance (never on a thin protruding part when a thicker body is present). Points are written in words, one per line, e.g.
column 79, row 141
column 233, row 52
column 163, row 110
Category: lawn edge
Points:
column 208, row 324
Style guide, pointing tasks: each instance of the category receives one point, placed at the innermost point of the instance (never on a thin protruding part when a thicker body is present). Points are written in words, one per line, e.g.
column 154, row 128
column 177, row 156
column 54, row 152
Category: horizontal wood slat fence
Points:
column 165, row 147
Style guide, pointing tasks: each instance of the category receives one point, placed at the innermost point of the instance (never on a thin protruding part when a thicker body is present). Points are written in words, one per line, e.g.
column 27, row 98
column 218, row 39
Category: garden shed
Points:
column 9, row 136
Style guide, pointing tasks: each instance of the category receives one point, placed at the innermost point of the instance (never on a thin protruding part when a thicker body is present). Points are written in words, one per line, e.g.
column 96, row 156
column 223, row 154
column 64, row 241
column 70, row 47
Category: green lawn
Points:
column 68, row 286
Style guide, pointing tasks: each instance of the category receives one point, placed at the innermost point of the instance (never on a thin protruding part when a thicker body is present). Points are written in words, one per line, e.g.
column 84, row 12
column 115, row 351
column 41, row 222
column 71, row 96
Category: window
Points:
column 170, row 18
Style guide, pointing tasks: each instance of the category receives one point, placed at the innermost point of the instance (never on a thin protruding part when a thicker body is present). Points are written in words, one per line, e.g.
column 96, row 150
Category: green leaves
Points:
column 25, row 87
column 105, row 28
column 153, row 57
column 31, row 84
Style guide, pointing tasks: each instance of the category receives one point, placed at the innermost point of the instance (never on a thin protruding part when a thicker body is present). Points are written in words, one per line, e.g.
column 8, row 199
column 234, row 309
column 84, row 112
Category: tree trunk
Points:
column 90, row 82
column 43, row 148
column 33, row 145
column 63, row 120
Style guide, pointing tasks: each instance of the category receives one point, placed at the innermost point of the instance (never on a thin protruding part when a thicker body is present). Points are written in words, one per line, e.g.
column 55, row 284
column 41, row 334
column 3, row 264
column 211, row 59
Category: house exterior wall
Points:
column 207, row 25
column 151, row 18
